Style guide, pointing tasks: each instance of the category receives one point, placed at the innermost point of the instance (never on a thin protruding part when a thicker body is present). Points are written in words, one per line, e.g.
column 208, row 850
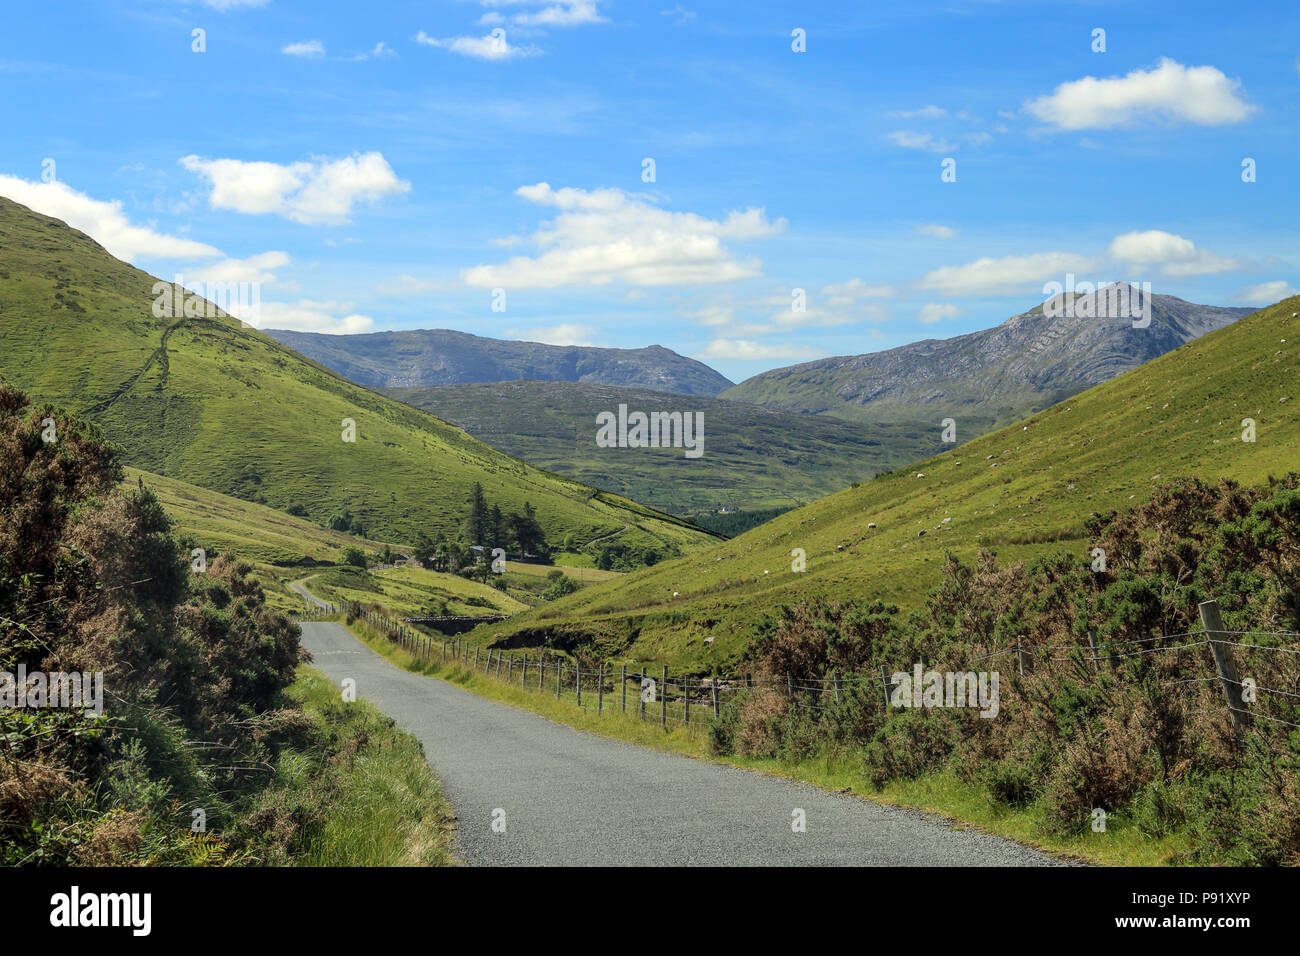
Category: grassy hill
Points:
column 753, row 458
column 1018, row 491
column 227, row 408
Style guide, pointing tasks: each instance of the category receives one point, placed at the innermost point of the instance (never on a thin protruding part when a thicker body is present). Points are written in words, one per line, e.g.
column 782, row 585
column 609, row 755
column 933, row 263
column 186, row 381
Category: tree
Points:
column 355, row 557
column 477, row 518
column 424, row 549
column 526, row 531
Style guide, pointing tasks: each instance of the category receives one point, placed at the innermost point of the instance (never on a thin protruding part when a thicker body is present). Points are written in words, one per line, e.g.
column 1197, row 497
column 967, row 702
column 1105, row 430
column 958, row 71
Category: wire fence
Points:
column 1244, row 676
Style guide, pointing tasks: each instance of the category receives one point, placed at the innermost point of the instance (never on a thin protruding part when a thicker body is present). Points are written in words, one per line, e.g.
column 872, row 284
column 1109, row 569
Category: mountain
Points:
column 224, row 407
column 1018, row 491
column 419, row 357
column 754, row 458
column 988, row 378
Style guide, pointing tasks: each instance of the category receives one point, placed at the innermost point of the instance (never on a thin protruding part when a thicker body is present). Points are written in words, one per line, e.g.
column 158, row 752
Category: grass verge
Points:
column 383, row 805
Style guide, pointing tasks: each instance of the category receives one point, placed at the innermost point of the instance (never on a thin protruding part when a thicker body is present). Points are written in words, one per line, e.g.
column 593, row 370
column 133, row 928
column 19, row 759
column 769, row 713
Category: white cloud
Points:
column 105, row 222
column 743, row 349
column 480, row 48
column 253, row 269
column 565, row 334
column 925, row 112
column 847, row 293
column 1266, row 293
column 574, row 13
column 305, row 315
column 1168, row 93
column 320, row 192
column 936, row 231
column 921, row 141
column 1010, row 273
column 679, row 14
column 1173, row 255
column 306, row 48
column 606, row 235
column 933, row 312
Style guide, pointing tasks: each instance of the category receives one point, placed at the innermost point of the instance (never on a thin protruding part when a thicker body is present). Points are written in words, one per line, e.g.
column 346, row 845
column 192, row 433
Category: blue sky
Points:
column 391, row 164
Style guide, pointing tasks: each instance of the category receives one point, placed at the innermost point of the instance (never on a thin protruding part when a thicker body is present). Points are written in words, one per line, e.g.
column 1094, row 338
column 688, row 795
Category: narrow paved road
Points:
column 573, row 798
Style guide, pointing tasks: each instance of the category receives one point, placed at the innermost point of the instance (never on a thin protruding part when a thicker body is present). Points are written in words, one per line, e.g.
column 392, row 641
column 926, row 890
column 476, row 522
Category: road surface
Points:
column 570, row 798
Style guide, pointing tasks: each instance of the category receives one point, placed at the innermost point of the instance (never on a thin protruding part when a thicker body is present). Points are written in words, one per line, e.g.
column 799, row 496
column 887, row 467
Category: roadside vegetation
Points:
column 211, row 748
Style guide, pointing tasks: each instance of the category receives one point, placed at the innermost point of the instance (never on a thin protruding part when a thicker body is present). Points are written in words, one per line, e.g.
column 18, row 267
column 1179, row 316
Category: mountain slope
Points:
column 232, row 410
column 1021, row 490
column 986, row 378
column 419, row 357
column 753, row 458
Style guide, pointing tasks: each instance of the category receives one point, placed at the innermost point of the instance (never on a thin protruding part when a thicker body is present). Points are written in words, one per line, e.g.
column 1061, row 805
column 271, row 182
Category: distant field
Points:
column 411, row 592
column 754, row 457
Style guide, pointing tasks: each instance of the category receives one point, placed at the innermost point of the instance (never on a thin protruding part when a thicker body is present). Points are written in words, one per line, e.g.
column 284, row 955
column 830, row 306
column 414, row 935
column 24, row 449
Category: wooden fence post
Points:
column 559, row 676
column 600, row 688
column 623, row 681
column 642, row 695
column 836, row 678
column 1213, row 623
column 510, row 670
column 523, row 678
column 663, row 700
column 577, row 679
column 476, row 658
column 686, row 701
column 715, row 695
column 884, row 683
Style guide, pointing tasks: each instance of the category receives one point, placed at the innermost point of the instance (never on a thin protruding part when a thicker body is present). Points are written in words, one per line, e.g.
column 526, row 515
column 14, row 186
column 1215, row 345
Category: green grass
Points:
column 942, row 793
column 1019, row 491
column 227, row 408
column 386, row 808
column 409, row 592
column 754, row 457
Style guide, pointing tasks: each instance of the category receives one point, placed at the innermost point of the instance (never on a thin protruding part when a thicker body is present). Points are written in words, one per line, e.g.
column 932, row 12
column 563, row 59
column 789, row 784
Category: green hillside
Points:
column 754, row 457
column 227, row 408
column 1018, row 491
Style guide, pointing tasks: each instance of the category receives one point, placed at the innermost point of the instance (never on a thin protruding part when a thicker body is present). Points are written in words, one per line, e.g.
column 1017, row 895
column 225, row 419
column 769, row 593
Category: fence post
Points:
column 789, row 687
column 1092, row 645
column 686, row 701
column 541, row 670
column 559, row 676
column 476, row 658
column 577, row 680
column 836, row 677
column 663, row 700
column 1226, row 668
column 523, row 678
column 510, row 670
column 600, row 688
column 623, row 681
column 642, row 695
column 749, row 681
column 499, row 653
column 715, row 695
column 884, row 683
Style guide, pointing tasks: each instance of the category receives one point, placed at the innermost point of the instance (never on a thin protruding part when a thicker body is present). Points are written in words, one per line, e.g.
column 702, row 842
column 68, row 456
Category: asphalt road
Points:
column 570, row 798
